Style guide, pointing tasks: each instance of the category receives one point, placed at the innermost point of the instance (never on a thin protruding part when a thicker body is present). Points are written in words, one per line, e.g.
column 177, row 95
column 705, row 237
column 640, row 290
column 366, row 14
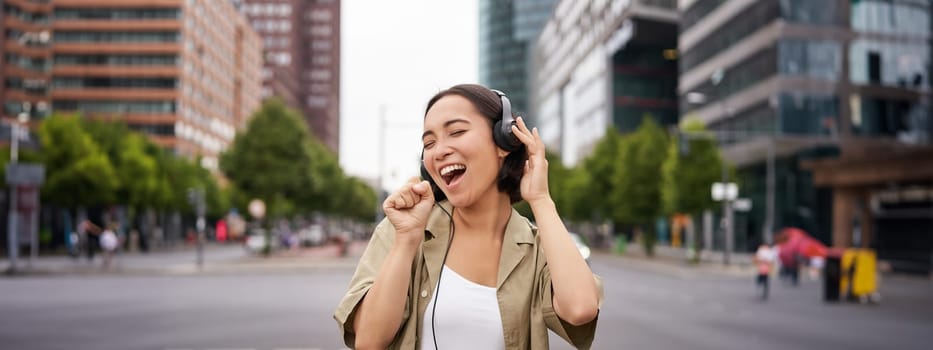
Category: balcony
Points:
column 124, row 48
column 11, row 21
column 116, row 71
column 36, row 6
column 114, row 94
column 12, row 70
column 13, row 46
column 118, row 3
column 23, row 96
column 118, row 25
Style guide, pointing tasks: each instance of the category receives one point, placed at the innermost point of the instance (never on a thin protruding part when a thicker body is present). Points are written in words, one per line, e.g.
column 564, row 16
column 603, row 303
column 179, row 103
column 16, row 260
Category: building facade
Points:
column 184, row 72
column 506, row 31
column 601, row 64
column 839, row 92
column 301, row 40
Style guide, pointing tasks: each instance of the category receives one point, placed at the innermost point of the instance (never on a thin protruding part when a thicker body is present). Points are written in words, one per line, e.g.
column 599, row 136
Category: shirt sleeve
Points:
column 366, row 270
column 581, row 337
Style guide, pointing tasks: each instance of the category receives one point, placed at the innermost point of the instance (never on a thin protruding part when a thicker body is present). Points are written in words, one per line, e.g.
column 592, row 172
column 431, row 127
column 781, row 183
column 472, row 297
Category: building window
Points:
column 697, row 11
column 747, row 73
column 892, row 17
column 154, row 129
column 732, row 32
column 117, row 60
column 808, row 114
column 116, row 36
column 321, row 45
column 153, row 107
column 320, row 15
column 108, row 82
column 813, row 59
column 116, row 13
column 889, row 63
column 908, row 121
column 320, row 30
column 810, row 12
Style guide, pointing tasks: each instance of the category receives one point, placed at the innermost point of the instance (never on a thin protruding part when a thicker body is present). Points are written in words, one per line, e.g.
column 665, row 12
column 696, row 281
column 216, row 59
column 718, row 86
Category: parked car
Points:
column 581, row 246
column 311, row 236
column 256, row 241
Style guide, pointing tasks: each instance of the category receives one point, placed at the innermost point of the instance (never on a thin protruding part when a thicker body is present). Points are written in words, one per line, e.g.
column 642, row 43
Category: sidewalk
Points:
column 229, row 258
column 673, row 262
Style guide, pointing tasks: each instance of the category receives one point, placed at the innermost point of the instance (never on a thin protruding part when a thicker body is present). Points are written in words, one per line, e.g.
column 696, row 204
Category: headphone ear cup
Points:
column 502, row 135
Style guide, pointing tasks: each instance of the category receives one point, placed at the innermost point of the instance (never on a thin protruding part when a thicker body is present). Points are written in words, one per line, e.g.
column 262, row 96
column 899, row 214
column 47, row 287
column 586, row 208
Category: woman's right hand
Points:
column 408, row 210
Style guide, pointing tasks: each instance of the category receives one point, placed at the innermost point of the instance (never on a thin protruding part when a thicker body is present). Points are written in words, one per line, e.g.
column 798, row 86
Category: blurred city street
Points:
column 286, row 302
column 152, row 150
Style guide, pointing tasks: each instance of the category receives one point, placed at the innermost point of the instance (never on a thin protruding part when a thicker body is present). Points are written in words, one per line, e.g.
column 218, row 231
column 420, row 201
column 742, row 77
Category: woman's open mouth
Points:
column 452, row 174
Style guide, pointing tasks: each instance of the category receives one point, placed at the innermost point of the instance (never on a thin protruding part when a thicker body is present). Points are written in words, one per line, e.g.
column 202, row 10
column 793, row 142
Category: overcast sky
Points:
column 398, row 54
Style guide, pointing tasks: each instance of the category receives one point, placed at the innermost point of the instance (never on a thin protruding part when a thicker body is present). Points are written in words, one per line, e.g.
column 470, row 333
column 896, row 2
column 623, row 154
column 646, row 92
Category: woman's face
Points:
column 459, row 151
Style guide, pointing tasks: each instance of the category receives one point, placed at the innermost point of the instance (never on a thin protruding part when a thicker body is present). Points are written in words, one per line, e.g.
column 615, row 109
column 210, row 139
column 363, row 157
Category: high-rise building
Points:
column 185, row 72
column 839, row 92
column 506, row 32
column 301, row 40
column 602, row 64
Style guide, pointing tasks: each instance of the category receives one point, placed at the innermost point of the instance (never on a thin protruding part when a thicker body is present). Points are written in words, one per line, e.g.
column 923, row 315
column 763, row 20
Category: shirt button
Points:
column 424, row 293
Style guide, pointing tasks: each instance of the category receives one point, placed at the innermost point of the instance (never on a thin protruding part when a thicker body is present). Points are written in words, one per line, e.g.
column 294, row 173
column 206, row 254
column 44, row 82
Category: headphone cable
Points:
column 437, row 290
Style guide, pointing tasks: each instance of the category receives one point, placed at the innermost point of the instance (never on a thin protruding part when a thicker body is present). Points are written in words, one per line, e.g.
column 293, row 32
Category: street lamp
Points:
column 715, row 79
column 12, row 222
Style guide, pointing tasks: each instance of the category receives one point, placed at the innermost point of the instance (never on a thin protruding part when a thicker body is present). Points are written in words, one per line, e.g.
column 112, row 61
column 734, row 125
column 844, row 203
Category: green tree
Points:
column 324, row 181
column 576, row 195
column 360, row 200
column 137, row 172
column 602, row 172
column 689, row 171
column 638, row 192
column 271, row 160
column 637, row 195
column 77, row 171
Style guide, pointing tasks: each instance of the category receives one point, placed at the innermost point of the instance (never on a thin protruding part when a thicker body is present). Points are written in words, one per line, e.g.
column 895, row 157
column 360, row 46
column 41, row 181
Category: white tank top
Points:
column 467, row 316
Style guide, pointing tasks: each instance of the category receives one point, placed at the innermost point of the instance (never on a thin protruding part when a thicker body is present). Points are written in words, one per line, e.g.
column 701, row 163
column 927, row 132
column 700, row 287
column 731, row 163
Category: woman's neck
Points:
column 488, row 215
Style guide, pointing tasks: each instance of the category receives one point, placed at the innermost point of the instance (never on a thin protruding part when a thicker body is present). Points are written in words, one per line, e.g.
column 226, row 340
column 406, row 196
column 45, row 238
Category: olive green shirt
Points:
column 523, row 286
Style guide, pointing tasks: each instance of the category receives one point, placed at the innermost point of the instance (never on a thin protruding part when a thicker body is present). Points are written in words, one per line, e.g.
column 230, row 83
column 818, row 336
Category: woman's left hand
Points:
column 534, row 184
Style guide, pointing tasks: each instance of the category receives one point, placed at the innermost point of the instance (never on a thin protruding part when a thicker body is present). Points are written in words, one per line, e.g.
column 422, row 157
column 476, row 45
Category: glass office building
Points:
column 837, row 89
column 506, row 30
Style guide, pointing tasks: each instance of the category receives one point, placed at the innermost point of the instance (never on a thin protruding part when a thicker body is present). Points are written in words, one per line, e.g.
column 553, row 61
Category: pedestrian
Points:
column 453, row 265
column 89, row 233
column 108, row 244
column 764, row 261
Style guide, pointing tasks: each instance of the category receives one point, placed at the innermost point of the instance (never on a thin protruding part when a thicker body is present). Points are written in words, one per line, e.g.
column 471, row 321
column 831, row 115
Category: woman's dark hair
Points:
column 490, row 106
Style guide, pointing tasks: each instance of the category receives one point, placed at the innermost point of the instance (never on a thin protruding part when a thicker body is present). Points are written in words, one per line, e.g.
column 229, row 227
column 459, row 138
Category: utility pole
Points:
column 196, row 198
column 727, row 209
column 13, row 215
column 382, row 139
column 768, row 227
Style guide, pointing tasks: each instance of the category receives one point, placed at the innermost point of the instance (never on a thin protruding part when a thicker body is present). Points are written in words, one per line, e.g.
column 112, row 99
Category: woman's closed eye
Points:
column 455, row 133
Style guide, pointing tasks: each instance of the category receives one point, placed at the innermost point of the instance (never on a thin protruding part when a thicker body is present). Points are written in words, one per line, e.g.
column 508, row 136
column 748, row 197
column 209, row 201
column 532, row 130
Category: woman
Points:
column 453, row 265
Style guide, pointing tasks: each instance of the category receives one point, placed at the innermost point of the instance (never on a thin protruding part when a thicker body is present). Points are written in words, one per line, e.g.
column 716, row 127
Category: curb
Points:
column 679, row 269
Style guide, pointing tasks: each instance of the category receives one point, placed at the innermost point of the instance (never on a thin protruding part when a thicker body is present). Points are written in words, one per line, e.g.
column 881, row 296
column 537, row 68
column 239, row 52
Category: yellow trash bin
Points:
column 859, row 275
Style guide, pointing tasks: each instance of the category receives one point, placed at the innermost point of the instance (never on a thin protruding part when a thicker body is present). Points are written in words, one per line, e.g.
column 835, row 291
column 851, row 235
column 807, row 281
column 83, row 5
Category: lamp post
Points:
column 727, row 223
column 384, row 125
column 12, row 222
column 715, row 79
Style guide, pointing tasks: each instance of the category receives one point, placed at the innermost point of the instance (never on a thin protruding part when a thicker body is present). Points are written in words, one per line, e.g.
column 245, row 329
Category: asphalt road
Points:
column 647, row 307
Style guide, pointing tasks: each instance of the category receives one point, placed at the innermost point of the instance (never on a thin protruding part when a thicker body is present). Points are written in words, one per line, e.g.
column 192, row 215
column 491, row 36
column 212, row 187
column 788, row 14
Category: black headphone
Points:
column 501, row 134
